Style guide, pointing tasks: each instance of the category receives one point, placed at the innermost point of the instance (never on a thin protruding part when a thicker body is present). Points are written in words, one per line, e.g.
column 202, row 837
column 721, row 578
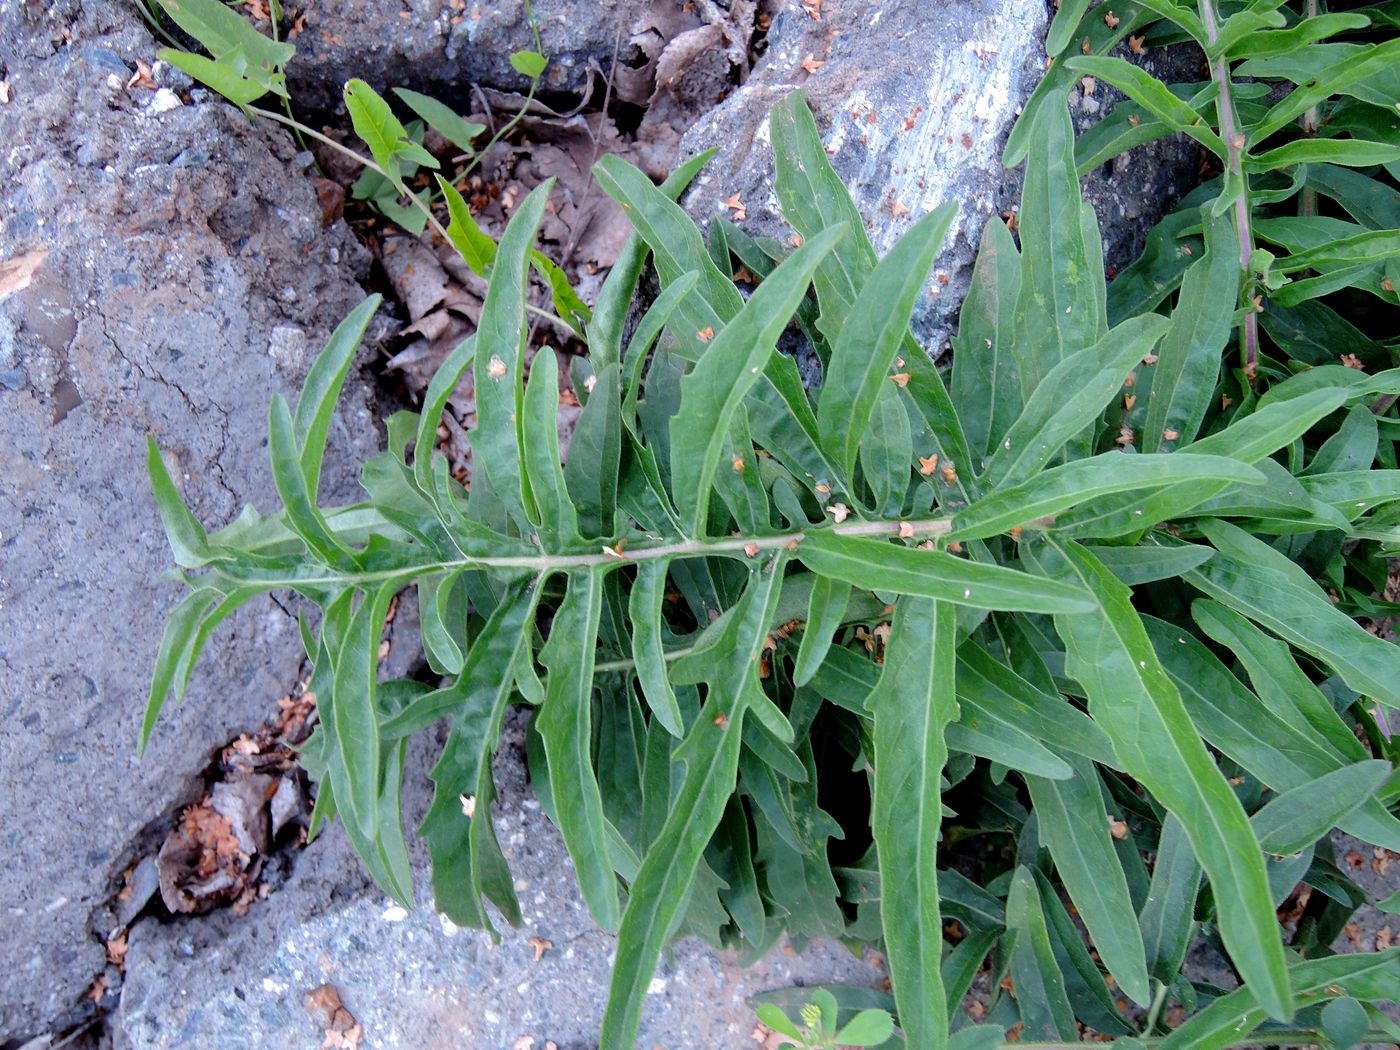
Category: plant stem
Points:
column 1307, row 203
column 501, row 132
column 553, row 319
column 150, row 14
column 298, row 128
column 1235, row 143
column 1157, row 1001
column 325, row 140
column 529, row 97
column 728, row 546
column 359, row 158
column 627, row 665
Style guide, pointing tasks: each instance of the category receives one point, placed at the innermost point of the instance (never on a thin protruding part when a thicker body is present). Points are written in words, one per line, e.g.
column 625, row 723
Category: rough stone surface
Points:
column 415, row 982
column 914, row 106
column 155, row 258
column 441, row 48
column 914, row 110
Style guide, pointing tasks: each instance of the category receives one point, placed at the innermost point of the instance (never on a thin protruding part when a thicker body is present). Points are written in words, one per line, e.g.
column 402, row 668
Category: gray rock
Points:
column 413, row 980
column 137, row 296
column 444, row 49
column 914, row 103
column 914, row 108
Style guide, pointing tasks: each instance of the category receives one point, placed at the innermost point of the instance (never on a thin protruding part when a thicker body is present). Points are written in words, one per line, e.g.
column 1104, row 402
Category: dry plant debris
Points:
column 343, row 1032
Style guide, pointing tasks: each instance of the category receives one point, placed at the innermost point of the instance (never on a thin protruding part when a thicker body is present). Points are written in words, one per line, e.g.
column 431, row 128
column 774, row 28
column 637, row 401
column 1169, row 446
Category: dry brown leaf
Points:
column 142, row 77
column 16, row 273
column 739, row 211
column 343, row 1032
column 541, row 945
column 811, row 63
column 683, row 53
column 116, row 950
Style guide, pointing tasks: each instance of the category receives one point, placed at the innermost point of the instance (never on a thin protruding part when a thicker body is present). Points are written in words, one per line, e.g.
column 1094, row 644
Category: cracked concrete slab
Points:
column 152, row 253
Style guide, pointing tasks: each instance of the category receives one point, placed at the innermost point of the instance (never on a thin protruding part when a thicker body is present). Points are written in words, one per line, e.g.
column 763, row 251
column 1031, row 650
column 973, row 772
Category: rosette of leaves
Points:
column 800, row 660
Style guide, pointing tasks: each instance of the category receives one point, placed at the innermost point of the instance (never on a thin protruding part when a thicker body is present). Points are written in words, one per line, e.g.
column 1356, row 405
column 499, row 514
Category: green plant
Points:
column 243, row 65
column 820, row 1029
column 996, row 607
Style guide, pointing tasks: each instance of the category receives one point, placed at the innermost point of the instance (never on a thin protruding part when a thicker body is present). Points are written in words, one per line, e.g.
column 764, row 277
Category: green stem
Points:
column 298, row 128
column 553, row 319
column 627, row 665
column 529, row 97
column 325, row 140
column 728, row 546
column 502, row 131
column 1235, row 143
column 151, row 15
column 1152, row 1014
column 296, row 125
